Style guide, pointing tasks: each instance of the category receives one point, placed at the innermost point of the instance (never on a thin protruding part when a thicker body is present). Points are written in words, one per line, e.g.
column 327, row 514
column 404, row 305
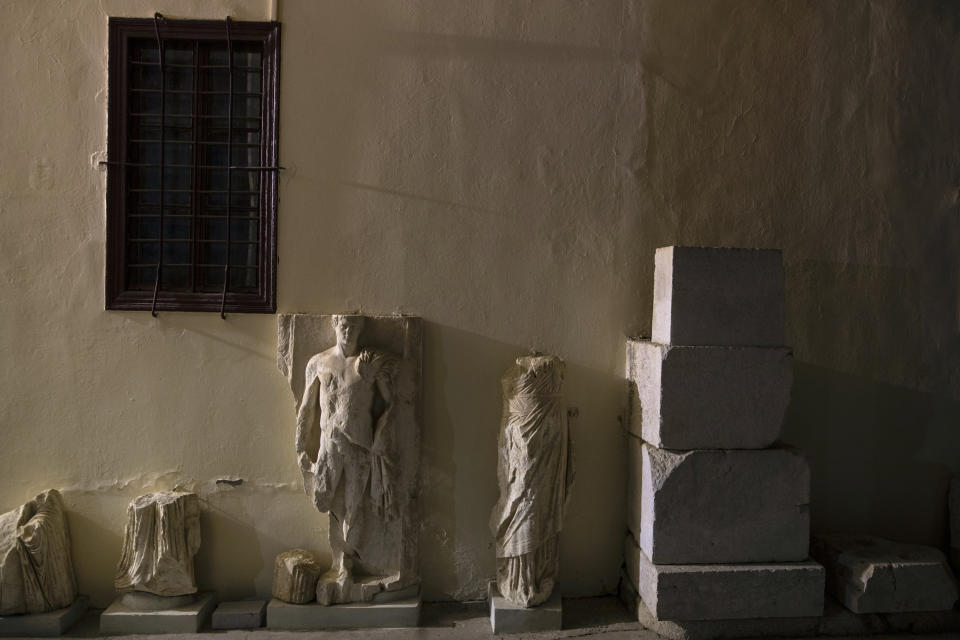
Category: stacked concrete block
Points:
column 718, row 512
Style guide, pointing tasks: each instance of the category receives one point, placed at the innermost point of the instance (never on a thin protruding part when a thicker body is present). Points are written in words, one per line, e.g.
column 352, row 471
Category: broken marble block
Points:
column 726, row 591
column 730, row 297
column 954, row 514
column 873, row 575
column 708, row 397
column 161, row 537
column 36, row 568
column 295, row 575
column 724, row 506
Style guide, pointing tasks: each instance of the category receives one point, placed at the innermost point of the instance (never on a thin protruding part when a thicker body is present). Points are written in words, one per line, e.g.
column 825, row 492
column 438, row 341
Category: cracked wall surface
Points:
column 504, row 170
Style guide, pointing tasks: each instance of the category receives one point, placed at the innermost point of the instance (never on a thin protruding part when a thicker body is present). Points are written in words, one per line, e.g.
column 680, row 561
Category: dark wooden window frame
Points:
column 121, row 31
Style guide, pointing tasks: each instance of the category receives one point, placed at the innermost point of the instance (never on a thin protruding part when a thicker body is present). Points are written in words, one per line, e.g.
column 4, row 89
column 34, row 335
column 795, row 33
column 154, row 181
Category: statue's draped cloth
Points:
column 535, row 474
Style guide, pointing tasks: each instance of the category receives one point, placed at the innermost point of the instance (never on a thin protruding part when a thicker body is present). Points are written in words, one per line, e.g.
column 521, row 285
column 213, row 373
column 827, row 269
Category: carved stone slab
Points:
column 708, row 397
column 356, row 383
column 872, row 575
column 119, row 619
column 731, row 297
column 355, row 615
column 159, row 542
column 716, row 506
column 36, row 569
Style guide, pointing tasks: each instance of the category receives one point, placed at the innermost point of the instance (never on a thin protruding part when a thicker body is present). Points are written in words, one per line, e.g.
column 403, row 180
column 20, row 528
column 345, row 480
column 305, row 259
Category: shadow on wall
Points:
column 459, row 468
column 880, row 455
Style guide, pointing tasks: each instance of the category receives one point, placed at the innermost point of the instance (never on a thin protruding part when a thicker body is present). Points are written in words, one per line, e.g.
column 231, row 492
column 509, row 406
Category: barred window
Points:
column 192, row 165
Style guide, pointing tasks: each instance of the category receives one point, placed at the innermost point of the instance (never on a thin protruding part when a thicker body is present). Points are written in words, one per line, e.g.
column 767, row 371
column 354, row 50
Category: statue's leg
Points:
column 356, row 483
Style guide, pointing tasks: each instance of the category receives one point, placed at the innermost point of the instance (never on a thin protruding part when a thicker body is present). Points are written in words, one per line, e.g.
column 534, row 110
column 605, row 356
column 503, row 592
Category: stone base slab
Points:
column 119, row 619
column 506, row 617
column 713, row 506
column 239, row 614
column 707, row 397
column 873, row 575
column 355, row 615
column 50, row 623
column 835, row 621
column 731, row 591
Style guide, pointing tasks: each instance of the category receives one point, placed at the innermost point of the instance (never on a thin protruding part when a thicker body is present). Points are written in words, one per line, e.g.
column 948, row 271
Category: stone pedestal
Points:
column 119, row 619
column 239, row 614
column 354, row 615
column 506, row 617
column 49, row 623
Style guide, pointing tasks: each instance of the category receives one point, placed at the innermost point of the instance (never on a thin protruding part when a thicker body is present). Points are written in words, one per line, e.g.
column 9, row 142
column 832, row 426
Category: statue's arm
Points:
column 307, row 419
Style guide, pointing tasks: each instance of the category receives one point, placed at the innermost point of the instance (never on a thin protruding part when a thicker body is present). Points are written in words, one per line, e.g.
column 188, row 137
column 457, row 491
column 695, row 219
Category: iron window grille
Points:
column 192, row 165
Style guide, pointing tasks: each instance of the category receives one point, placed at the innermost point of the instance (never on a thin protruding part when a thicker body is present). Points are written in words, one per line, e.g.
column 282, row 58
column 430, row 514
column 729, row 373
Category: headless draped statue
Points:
column 535, row 474
column 356, row 447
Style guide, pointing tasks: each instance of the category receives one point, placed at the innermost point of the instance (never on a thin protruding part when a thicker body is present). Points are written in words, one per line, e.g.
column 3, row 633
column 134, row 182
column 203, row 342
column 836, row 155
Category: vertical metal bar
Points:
column 226, row 267
column 163, row 95
column 195, row 160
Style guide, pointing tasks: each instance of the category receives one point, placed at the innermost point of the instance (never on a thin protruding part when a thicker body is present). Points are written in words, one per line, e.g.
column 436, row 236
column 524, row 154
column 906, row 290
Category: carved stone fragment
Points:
column 36, row 569
column 872, row 575
column 356, row 385
column 535, row 475
column 159, row 542
column 295, row 575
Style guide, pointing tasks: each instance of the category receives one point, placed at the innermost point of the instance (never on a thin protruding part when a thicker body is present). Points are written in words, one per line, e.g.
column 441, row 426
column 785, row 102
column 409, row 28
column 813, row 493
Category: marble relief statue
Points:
column 357, row 446
column 535, row 474
column 36, row 567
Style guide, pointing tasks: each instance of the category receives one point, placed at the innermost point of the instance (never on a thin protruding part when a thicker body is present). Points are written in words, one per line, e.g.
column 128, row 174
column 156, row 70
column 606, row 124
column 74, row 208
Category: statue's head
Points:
column 348, row 329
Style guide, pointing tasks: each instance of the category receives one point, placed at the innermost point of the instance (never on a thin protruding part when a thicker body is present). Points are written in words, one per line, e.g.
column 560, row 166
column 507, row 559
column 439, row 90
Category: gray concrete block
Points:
column 872, row 575
column 506, row 617
column 731, row 591
column 50, row 623
column 239, row 614
column 705, row 296
column 710, row 506
column 708, row 397
column 118, row 619
column 355, row 615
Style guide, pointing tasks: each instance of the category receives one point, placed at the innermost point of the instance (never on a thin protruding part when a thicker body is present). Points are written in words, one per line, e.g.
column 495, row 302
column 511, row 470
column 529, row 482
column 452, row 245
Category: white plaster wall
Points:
column 505, row 170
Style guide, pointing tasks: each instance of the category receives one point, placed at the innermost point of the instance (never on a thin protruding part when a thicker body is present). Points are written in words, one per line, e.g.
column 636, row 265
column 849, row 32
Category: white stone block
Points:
column 708, row 397
column 707, row 296
column 48, row 623
column 730, row 591
column 506, row 617
column 724, row 506
column 239, row 614
column 118, row 619
column 872, row 575
column 353, row 615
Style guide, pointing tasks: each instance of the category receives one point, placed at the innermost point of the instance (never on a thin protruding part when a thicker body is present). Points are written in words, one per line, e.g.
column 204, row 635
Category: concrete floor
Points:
column 599, row 618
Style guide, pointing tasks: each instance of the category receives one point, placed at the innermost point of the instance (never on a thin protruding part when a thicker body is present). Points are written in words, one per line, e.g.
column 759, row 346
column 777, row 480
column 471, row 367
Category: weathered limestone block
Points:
column 872, row 575
column 36, row 568
column 159, row 542
column 727, row 591
column 634, row 482
column 708, row 397
column 356, row 383
column 707, row 296
column 295, row 575
column 724, row 506
column 535, row 473
column 954, row 509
